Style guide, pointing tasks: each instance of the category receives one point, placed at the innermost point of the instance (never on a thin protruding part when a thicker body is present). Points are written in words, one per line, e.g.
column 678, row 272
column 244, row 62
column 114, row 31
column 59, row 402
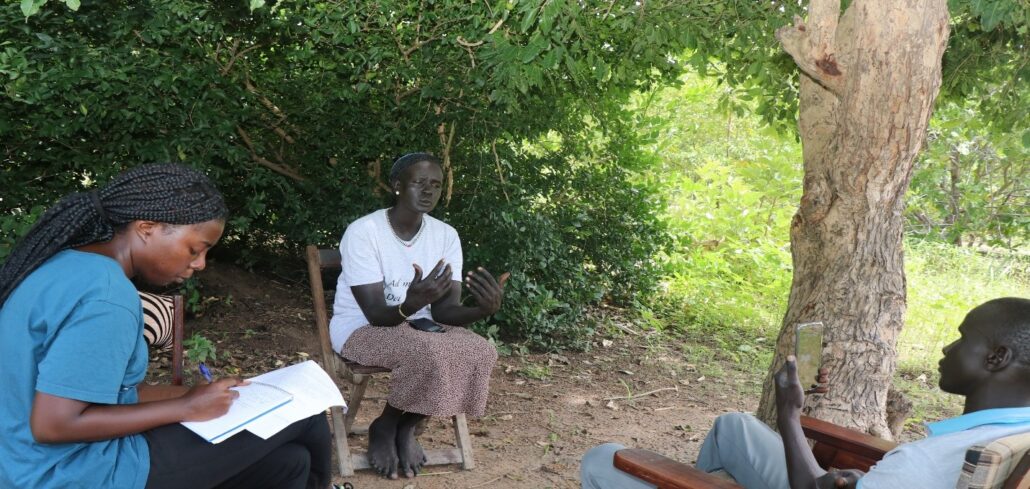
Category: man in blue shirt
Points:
column 989, row 365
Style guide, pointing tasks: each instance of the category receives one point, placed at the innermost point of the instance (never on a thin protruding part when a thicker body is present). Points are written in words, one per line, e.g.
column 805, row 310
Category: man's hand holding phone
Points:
column 808, row 350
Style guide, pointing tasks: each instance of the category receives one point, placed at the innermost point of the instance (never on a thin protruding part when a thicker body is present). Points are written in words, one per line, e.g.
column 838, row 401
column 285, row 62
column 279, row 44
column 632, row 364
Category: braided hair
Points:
column 409, row 159
column 163, row 192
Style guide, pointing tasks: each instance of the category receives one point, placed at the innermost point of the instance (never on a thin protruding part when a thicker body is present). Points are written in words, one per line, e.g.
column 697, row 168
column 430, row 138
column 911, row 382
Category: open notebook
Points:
column 272, row 402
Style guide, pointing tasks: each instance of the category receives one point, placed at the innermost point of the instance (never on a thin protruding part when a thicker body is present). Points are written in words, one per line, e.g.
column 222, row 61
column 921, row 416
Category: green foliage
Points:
column 15, row 224
column 944, row 283
column 31, row 7
column 297, row 109
column 987, row 63
column 971, row 184
column 190, row 291
column 199, row 349
column 734, row 186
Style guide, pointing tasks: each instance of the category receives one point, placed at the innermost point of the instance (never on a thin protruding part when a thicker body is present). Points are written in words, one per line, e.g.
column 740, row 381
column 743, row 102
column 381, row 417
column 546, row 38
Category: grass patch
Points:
column 944, row 283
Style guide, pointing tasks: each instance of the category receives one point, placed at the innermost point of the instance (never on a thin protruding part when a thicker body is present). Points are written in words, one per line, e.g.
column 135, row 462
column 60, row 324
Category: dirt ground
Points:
column 544, row 412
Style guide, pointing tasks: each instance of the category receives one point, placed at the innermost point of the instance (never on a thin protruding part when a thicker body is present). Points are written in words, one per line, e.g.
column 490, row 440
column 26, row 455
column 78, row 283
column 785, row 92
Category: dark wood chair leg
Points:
column 178, row 311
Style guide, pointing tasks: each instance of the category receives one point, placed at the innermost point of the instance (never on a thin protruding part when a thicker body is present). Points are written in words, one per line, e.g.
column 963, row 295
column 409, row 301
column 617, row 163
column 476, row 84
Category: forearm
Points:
column 160, row 392
column 802, row 469
column 104, row 421
column 387, row 315
column 457, row 315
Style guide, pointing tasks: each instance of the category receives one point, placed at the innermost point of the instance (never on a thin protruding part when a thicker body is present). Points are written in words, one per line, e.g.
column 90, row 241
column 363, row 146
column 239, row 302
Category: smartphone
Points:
column 808, row 348
column 425, row 324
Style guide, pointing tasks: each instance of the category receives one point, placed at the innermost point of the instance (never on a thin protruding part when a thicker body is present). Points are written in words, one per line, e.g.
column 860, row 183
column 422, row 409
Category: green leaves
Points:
column 333, row 92
column 994, row 12
column 31, row 7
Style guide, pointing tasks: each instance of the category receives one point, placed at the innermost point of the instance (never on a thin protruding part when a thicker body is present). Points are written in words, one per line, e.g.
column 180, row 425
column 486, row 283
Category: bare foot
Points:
column 409, row 451
column 382, row 446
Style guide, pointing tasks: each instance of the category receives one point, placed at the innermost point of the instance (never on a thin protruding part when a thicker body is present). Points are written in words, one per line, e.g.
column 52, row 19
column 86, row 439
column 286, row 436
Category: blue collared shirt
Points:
column 936, row 461
column 1003, row 416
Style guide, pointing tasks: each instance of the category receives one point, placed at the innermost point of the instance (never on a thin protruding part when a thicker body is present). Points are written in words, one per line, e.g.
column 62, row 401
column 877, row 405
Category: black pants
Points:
column 297, row 457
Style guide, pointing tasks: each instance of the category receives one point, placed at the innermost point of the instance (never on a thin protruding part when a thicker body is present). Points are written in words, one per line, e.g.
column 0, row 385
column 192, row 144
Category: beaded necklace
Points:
column 407, row 243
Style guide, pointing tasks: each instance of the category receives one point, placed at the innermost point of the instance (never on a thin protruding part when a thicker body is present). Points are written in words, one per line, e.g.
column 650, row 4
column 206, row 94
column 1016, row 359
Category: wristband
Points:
column 401, row 312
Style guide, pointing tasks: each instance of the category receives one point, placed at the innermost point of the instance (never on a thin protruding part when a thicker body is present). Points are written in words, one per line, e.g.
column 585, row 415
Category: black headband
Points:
column 409, row 159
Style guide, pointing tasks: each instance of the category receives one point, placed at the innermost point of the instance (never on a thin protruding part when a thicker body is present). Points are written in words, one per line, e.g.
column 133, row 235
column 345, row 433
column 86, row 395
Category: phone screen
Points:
column 808, row 348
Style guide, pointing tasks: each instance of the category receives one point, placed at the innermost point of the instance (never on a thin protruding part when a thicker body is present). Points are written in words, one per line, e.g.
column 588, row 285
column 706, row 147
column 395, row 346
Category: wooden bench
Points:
column 835, row 447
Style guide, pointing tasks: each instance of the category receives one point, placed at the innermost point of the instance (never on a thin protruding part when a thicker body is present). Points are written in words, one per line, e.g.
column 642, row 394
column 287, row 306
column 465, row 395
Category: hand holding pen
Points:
column 211, row 400
column 205, row 372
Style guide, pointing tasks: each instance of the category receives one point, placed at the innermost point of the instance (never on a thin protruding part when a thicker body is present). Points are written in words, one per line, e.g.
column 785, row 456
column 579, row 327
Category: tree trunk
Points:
column 867, row 88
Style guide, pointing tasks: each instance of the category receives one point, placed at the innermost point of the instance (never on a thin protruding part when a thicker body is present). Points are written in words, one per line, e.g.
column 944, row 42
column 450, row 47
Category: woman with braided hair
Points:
column 75, row 412
column 390, row 313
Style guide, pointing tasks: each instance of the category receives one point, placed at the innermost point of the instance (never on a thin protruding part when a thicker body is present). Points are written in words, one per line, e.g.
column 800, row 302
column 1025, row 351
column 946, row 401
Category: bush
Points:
column 297, row 109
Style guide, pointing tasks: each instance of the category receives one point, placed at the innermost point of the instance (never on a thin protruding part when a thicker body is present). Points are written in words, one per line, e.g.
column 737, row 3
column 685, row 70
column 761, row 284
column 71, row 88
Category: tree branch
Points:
column 375, row 172
column 500, row 173
column 280, row 169
column 269, row 105
column 811, row 45
column 445, row 142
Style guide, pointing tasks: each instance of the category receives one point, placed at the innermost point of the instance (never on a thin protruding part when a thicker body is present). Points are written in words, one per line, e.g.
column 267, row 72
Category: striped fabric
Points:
column 988, row 467
column 157, row 320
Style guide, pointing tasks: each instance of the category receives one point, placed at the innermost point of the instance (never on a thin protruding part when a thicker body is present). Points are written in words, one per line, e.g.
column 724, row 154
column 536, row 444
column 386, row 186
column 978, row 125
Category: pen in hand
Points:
column 205, row 372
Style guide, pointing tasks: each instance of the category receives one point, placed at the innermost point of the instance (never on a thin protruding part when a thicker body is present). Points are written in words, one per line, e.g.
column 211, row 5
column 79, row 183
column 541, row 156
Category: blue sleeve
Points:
column 908, row 465
column 89, row 354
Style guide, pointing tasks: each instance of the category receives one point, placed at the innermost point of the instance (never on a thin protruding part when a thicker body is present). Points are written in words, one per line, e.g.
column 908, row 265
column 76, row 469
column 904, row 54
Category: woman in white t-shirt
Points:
column 390, row 312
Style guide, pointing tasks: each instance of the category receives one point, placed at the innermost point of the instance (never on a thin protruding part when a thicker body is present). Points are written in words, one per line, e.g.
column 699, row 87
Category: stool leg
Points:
column 342, row 448
column 360, row 383
column 461, row 434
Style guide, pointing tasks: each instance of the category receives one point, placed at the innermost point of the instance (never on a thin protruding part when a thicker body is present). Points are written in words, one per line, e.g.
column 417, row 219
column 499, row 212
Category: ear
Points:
column 396, row 186
column 998, row 358
column 144, row 229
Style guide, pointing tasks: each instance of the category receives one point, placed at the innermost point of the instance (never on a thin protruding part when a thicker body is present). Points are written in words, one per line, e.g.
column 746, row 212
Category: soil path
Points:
column 544, row 412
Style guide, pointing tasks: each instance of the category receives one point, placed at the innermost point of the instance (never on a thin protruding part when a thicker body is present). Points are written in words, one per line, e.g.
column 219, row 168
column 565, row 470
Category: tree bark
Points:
column 869, row 78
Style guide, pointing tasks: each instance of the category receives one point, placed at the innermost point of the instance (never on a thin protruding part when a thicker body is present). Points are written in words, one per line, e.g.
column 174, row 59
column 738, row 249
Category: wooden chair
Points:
column 834, row 446
column 163, row 327
column 359, row 376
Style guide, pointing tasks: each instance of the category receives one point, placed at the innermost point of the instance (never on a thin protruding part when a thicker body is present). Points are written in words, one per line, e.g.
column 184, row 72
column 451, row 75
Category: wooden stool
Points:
column 359, row 376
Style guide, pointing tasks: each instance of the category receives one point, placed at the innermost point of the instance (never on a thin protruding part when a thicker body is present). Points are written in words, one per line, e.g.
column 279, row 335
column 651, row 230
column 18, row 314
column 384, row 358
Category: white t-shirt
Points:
column 371, row 253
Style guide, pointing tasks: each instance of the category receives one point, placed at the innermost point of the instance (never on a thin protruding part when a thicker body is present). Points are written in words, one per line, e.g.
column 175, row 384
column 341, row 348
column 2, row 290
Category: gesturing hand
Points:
column 488, row 292
column 424, row 291
column 209, row 401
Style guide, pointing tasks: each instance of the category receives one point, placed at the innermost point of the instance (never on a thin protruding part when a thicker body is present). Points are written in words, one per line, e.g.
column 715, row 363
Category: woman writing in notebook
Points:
column 75, row 412
column 398, row 305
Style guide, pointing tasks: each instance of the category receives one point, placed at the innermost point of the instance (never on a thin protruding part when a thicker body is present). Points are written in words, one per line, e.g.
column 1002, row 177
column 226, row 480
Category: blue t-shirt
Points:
column 74, row 329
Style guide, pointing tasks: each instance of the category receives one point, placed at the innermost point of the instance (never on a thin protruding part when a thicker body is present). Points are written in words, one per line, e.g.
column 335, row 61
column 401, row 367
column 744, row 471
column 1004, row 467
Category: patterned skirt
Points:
column 436, row 374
